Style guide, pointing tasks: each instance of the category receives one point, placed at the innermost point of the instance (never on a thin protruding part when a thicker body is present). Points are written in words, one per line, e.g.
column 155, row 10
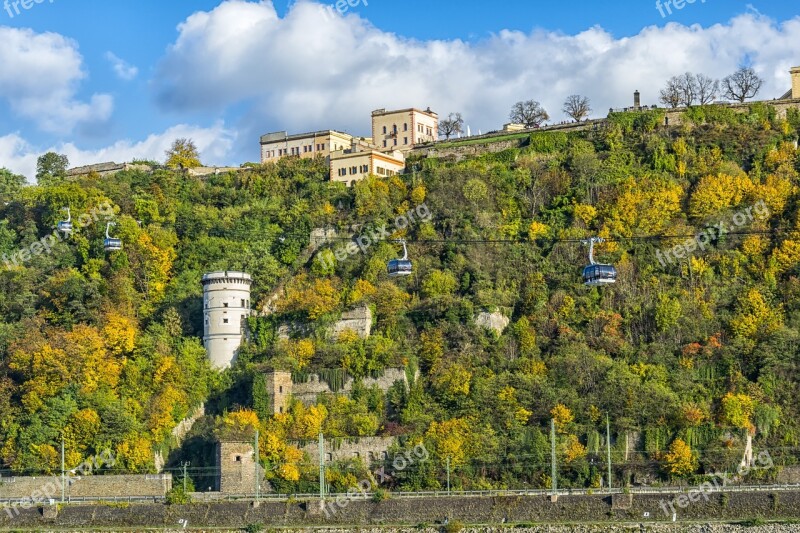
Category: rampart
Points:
column 596, row 510
column 155, row 485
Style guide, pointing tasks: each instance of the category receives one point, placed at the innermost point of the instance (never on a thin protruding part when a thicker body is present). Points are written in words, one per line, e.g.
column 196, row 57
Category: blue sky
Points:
column 116, row 80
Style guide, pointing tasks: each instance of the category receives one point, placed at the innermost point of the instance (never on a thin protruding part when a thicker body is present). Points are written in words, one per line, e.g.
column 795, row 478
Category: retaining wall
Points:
column 155, row 485
column 595, row 509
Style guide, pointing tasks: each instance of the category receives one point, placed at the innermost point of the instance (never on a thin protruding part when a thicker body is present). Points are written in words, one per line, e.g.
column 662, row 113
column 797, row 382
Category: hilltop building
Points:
column 280, row 144
column 226, row 307
column 356, row 163
column 350, row 158
column 404, row 128
column 794, row 92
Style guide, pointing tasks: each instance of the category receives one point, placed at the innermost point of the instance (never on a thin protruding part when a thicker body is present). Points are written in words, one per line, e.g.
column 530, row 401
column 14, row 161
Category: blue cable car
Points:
column 111, row 244
column 65, row 226
column 400, row 267
column 596, row 275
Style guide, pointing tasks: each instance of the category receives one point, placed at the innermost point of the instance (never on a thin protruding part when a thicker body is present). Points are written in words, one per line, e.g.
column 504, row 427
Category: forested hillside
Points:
column 689, row 351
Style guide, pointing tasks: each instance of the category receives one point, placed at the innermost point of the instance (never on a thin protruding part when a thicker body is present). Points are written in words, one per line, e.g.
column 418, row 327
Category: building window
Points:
column 330, row 456
column 280, row 389
column 405, row 140
column 405, row 126
column 224, row 320
column 394, row 129
column 225, row 304
column 395, row 141
column 280, row 409
column 242, row 302
column 238, row 459
column 384, row 144
column 384, row 130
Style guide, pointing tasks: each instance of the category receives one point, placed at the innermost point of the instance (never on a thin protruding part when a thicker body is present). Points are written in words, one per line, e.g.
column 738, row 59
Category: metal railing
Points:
column 216, row 496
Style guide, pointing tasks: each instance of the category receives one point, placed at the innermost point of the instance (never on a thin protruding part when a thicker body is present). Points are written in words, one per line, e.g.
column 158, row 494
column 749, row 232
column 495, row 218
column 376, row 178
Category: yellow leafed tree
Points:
column 562, row 416
column 679, row 460
column 716, row 192
column 450, row 438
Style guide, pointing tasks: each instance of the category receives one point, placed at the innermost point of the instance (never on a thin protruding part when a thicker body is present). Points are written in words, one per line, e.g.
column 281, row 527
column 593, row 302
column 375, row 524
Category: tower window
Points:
column 225, row 304
column 224, row 320
column 280, row 389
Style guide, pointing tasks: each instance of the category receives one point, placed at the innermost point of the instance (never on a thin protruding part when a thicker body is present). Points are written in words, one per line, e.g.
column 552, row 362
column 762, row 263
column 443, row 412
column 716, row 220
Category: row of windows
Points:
column 308, row 148
column 405, row 142
column 360, row 169
column 394, row 128
column 385, row 172
column 243, row 303
column 421, row 128
column 226, row 320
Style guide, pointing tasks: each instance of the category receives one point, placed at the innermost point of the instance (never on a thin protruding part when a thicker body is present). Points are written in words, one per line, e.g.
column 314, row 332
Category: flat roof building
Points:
column 402, row 129
column 279, row 144
column 352, row 165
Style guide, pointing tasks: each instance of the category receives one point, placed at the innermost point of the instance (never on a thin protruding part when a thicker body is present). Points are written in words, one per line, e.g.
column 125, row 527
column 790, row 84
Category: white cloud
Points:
column 39, row 75
column 313, row 70
column 214, row 144
column 124, row 70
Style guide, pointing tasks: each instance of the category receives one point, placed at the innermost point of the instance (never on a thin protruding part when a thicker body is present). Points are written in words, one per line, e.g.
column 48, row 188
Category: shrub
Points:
column 177, row 496
column 380, row 495
column 548, row 142
column 454, row 526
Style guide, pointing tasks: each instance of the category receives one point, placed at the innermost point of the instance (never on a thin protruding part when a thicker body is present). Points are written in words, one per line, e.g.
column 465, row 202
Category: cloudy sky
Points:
column 112, row 81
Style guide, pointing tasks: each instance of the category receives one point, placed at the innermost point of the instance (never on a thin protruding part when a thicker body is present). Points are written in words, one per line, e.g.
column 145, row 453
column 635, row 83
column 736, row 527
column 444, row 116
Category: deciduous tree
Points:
column 452, row 125
column 742, row 84
column 530, row 113
column 577, row 107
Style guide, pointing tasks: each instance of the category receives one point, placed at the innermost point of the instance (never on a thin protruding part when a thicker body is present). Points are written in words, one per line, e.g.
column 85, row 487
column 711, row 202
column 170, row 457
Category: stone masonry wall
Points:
column 156, row 485
column 596, row 510
column 106, row 169
column 308, row 392
column 369, row 449
column 237, row 467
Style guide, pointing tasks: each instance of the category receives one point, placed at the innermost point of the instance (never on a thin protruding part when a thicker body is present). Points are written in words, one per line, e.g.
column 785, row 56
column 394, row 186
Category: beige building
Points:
column 795, row 82
column 352, row 165
column 306, row 145
column 404, row 128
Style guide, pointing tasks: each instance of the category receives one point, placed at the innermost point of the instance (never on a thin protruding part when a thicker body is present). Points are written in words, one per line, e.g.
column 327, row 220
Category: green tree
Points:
column 51, row 168
column 10, row 184
column 183, row 154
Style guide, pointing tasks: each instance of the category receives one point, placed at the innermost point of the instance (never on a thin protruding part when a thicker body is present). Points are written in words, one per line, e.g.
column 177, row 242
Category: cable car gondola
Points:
column 596, row 275
column 400, row 267
column 111, row 244
column 65, row 226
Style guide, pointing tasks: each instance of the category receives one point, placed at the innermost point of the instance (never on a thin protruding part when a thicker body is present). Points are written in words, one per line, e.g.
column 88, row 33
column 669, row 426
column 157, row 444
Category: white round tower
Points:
column 226, row 306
